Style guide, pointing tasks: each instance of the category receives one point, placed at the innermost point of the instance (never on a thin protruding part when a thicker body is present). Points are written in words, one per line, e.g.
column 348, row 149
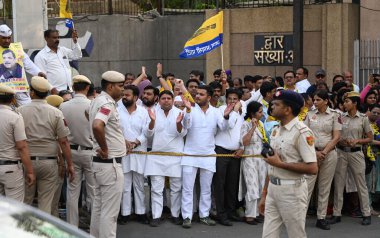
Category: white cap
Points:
column 5, row 31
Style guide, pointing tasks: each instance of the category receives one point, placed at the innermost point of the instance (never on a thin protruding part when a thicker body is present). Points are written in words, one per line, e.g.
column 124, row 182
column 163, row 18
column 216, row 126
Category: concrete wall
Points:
column 369, row 20
column 329, row 33
column 125, row 44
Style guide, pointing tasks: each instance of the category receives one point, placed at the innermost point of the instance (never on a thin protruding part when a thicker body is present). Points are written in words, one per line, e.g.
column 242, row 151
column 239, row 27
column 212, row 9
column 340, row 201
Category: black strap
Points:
column 41, row 157
column 8, row 162
column 97, row 159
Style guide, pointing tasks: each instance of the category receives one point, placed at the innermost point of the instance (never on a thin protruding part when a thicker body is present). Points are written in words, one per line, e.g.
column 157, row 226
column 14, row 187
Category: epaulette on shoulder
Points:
column 302, row 127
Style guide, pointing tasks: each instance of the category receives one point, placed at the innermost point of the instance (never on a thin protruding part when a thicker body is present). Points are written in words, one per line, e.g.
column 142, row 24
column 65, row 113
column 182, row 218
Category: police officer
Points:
column 356, row 131
column 80, row 144
column 109, row 148
column 13, row 149
column 286, row 202
column 44, row 126
column 326, row 126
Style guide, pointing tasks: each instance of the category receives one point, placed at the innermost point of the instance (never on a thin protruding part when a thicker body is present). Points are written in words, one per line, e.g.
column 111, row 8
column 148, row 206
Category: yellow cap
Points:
column 5, row 90
column 81, row 79
column 352, row 94
column 40, row 84
column 54, row 100
column 113, row 77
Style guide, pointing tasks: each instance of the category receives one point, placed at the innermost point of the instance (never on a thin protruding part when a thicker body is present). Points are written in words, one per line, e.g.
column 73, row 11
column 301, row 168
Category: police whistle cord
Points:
column 192, row 155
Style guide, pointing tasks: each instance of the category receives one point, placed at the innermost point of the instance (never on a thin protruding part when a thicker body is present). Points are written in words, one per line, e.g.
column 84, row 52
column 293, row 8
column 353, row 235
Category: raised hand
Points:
column 229, row 109
column 186, row 103
column 180, row 117
column 237, row 106
column 143, row 72
column 74, row 35
column 254, row 122
column 159, row 70
column 152, row 115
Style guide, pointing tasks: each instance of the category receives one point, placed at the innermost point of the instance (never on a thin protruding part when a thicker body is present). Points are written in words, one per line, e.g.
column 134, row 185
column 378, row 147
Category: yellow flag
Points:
column 64, row 9
column 208, row 37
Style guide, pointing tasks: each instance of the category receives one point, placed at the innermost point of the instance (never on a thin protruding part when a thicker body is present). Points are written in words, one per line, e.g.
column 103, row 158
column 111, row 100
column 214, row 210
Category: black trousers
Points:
column 226, row 183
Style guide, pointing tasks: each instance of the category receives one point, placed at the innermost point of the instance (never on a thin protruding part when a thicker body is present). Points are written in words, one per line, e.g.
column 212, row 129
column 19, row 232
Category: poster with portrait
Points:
column 11, row 67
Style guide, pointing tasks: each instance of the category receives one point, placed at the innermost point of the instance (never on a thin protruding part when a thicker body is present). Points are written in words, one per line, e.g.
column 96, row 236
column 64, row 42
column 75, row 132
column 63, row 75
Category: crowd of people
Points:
column 229, row 150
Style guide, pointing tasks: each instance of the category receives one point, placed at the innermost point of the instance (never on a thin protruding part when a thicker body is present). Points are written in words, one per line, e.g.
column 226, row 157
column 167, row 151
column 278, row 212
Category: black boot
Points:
column 335, row 219
column 323, row 224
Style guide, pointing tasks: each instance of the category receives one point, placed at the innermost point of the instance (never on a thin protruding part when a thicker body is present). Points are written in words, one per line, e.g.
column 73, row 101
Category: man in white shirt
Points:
column 167, row 130
column 256, row 95
column 202, row 123
column 350, row 81
column 134, row 121
column 54, row 60
column 28, row 65
column 226, row 177
column 302, row 82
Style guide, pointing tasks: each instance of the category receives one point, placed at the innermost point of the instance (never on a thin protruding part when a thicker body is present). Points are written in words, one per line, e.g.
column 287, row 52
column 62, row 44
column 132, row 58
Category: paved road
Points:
column 349, row 228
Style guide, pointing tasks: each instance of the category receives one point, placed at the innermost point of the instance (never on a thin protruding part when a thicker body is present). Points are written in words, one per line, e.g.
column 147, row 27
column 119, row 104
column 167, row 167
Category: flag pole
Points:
column 221, row 54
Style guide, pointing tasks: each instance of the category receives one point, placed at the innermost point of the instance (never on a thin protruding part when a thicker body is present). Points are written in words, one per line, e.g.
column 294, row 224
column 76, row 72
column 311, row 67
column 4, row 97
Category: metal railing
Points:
column 163, row 7
column 366, row 60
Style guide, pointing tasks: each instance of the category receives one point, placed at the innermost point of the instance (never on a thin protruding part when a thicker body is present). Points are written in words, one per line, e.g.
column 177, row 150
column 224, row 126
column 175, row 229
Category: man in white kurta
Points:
column 202, row 124
column 168, row 133
column 134, row 121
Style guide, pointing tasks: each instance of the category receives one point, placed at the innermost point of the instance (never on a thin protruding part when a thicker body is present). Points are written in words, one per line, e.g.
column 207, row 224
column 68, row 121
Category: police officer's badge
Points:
column 310, row 140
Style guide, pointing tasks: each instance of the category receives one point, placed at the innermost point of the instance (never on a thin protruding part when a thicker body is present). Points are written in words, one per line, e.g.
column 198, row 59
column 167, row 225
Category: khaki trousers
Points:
column 12, row 183
column 57, row 196
column 285, row 204
column 46, row 172
column 109, row 180
column 325, row 176
column 82, row 167
column 354, row 160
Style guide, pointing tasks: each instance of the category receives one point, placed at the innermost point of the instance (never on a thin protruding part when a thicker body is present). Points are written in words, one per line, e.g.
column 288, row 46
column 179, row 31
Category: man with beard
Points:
column 54, row 60
column 134, row 120
column 202, row 124
column 215, row 100
column 109, row 148
column 168, row 132
column 150, row 96
column 5, row 41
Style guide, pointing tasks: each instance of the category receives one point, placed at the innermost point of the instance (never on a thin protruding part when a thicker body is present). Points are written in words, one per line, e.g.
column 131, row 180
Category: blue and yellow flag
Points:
column 64, row 9
column 208, row 37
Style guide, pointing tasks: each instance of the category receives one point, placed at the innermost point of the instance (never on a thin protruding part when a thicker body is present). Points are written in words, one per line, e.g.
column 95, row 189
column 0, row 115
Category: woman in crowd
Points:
column 324, row 122
column 253, row 168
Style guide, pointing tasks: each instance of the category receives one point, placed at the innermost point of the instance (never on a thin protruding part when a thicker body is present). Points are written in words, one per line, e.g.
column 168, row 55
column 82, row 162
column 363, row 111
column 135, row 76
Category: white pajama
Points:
column 137, row 180
column 158, row 184
column 188, row 179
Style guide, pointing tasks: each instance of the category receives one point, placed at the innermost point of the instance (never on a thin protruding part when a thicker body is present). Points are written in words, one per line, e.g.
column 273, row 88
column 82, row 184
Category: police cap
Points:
column 290, row 96
column 54, row 100
column 113, row 77
column 40, row 84
column 81, row 79
column 5, row 90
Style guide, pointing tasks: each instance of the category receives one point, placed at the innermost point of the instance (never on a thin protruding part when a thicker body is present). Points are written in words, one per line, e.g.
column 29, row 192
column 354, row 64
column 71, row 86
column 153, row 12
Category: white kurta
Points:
column 134, row 127
column 166, row 138
column 200, row 139
column 230, row 139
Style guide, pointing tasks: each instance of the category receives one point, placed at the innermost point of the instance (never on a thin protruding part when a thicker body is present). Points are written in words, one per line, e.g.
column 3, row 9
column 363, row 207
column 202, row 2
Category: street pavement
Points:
column 348, row 228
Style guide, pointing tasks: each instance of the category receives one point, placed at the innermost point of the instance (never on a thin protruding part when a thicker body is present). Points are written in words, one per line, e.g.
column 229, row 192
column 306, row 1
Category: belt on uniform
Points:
column 97, row 159
column 278, row 181
column 349, row 149
column 41, row 157
column 8, row 162
column 76, row 147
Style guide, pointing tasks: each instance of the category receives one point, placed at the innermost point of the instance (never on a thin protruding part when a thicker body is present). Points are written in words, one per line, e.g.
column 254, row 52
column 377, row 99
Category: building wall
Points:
column 329, row 34
column 125, row 44
column 369, row 20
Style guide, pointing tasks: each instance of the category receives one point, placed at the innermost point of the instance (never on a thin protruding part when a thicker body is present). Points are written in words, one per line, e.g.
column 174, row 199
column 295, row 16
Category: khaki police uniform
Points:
column 55, row 101
column 108, row 173
column 286, row 201
column 43, row 125
column 12, row 129
column 323, row 125
column 353, row 128
column 81, row 150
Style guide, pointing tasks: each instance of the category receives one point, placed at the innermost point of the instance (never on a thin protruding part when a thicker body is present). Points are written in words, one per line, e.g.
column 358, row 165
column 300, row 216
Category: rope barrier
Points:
column 183, row 154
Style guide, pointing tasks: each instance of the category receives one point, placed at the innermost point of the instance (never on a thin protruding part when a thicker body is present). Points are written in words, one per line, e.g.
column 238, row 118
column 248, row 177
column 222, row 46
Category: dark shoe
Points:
column 259, row 219
column 323, row 224
column 366, row 221
column 155, row 222
column 357, row 214
column 186, row 223
column 235, row 217
column 207, row 221
column 143, row 219
column 123, row 220
column 335, row 219
column 225, row 222
column 177, row 220
column 251, row 222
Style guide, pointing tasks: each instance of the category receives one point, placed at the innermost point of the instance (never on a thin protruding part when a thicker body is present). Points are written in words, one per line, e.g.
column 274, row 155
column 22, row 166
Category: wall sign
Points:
column 273, row 50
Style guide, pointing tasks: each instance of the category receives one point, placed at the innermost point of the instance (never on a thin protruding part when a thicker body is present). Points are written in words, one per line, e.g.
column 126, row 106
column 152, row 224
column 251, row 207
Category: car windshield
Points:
column 27, row 224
